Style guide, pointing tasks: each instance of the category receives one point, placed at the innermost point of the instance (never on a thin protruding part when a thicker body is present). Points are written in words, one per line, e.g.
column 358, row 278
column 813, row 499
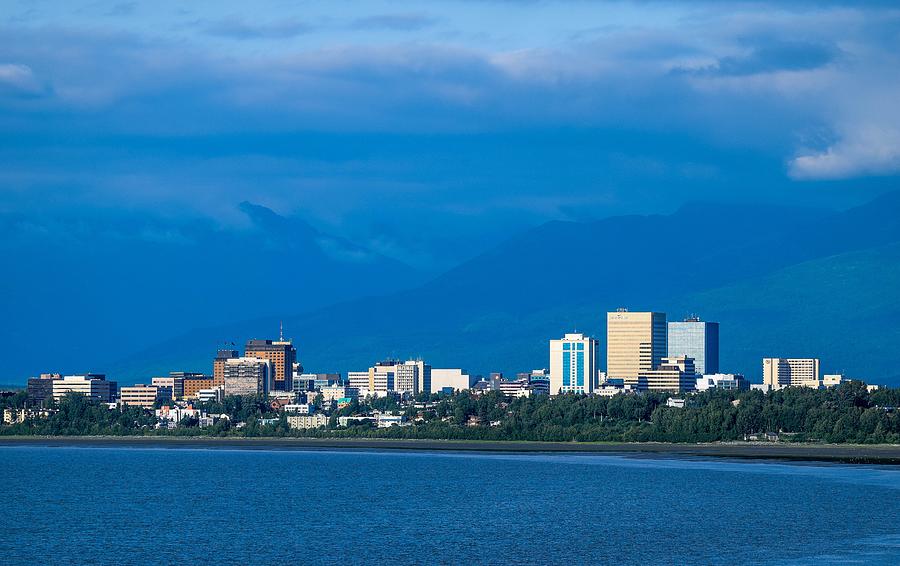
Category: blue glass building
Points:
column 696, row 339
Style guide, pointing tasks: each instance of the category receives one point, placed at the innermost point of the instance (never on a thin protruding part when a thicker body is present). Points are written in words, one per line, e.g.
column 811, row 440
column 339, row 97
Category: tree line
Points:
column 846, row 413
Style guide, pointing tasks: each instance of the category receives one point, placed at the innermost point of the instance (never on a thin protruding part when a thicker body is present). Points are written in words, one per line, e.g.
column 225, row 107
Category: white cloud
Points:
column 19, row 79
column 869, row 150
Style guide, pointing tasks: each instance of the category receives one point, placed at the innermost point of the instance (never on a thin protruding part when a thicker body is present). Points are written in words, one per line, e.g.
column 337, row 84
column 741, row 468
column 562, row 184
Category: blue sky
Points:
column 426, row 131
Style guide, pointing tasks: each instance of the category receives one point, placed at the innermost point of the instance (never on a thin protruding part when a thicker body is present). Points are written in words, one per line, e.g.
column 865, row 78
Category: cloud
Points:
column 482, row 132
column 395, row 22
column 869, row 150
column 235, row 28
column 19, row 80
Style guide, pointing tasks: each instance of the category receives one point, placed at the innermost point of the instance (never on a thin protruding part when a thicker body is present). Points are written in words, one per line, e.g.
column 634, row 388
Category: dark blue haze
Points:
column 187, row 506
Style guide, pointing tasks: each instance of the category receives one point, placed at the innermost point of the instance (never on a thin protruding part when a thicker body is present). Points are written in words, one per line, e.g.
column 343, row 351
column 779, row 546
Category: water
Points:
column 167, row 506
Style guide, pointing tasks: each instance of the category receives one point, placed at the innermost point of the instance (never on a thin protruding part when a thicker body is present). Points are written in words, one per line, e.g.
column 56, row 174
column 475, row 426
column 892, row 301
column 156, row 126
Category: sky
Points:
column 426, row 131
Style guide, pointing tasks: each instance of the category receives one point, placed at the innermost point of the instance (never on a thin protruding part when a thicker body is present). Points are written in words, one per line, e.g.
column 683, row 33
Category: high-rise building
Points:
column 635, row 343
column 696, row 339
column 247, row 376
column 573, row 364
column 219, row 365
column 791, row 372
column 282, row 355
column 672, row 374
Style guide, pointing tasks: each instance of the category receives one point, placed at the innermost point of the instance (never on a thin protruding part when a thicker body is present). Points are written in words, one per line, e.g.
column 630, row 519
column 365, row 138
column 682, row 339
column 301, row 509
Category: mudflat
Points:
column 846, row 453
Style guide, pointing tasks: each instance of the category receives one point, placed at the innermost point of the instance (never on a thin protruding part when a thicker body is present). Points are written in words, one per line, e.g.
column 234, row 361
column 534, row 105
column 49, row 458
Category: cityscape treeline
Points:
column 844, row 414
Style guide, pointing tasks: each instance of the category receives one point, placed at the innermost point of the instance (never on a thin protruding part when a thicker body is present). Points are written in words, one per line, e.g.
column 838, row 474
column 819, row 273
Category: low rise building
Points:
column 213, row 395
column 673, row 374
column 12, row 415
column 144, row 396
column 832, row 380
column 357, row 419
column 335, row 392
column 612, row 387
column 299, row 409
column 722, row 381
column 171, row 416
column 524, row 387
column 384, row 420
column 315, row 420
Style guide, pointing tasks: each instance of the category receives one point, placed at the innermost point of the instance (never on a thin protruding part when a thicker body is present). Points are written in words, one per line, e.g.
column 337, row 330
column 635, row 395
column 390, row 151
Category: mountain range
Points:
column 782, row 281
column 82, row 290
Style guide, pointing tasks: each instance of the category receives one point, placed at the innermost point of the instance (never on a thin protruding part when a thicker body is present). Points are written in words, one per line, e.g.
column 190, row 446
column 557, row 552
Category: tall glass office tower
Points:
column 696, row 339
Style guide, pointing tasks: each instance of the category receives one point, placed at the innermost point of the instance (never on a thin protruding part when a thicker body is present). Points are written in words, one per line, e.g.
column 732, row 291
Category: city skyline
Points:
column 361, row 281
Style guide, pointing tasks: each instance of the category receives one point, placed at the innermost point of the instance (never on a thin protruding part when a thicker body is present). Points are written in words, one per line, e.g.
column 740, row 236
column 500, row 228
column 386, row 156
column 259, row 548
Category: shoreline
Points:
column 839, row 453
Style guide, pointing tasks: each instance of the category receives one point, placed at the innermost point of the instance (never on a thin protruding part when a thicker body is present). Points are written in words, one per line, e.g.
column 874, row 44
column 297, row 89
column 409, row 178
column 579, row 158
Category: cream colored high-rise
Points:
column 635, row 343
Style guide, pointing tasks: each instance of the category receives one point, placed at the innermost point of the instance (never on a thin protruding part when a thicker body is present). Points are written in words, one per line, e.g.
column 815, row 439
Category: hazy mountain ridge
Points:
column 497, row 311
column 81, row 288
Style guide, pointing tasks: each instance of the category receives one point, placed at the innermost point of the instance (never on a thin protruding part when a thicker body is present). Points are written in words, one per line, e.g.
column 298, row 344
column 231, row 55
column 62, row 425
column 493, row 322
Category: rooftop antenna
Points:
column 281, row 330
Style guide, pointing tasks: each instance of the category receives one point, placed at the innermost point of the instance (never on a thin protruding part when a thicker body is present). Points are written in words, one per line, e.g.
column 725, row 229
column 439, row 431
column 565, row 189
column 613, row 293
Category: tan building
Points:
column 282, row 355
column 832, row 380
column 635, row 343
column 791, row 372
column 307, row 421
column 676, row 373
column 219, row 365
column 144, row 395
column 192, row 386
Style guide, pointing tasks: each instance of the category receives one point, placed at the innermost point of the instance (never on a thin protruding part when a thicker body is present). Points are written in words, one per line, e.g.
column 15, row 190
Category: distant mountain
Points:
column 758, row 268
column 81, row 289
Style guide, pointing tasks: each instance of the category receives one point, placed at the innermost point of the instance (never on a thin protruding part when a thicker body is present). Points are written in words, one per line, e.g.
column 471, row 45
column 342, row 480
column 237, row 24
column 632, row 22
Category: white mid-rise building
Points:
column 90, row 385
column 449, row 379
column 573, row 364
column 393, row 376
column 721, row 381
